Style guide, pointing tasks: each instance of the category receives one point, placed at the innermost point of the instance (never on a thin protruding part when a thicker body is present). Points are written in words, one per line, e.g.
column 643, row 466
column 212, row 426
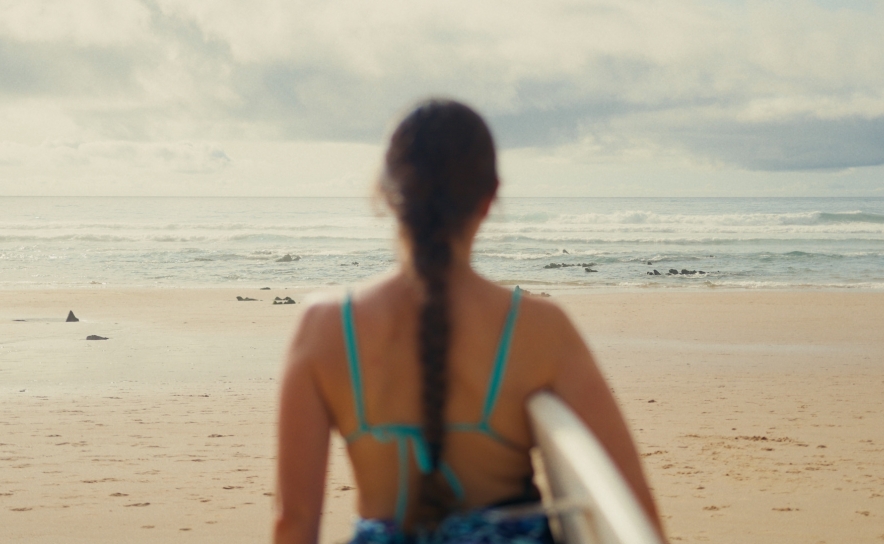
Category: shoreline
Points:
column 774, row 243
column 758, row 413
column 564, row 289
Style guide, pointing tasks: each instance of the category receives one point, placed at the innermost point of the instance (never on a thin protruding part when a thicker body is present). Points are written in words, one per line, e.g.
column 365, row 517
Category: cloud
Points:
column 791, row 86
column 182, row 157
column 186, row 157
column 232, row 168
column 800, row 143
column 81, row 23
column 60, row 71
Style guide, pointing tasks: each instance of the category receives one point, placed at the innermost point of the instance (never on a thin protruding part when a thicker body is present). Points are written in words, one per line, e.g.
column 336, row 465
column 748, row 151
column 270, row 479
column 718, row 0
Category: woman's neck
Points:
column 460, row 269
column 461, row 252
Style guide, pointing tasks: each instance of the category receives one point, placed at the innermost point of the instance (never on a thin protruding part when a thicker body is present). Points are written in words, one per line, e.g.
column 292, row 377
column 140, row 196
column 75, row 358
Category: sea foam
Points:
column 737, row 243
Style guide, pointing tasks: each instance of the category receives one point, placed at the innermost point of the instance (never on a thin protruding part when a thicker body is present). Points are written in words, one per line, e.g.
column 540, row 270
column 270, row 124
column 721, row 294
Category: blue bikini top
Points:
column 405, row 434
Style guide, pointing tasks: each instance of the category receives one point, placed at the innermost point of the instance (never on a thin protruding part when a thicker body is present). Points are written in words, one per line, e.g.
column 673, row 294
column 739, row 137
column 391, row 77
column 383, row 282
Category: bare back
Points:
column 385, row 319
column 546, row 353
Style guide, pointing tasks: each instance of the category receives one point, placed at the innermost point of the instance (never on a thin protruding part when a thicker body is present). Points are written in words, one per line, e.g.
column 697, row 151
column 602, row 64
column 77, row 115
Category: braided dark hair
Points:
column 440, row 166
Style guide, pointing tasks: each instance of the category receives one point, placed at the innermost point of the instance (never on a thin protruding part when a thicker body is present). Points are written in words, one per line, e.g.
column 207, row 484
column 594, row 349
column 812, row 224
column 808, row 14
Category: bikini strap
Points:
column 503, row 350
column 412, row 435
column 353, row 364
column 404, row 435
column 407, row 435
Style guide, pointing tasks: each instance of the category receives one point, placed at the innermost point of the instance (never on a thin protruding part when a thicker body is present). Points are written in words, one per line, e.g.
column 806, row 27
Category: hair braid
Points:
column 435, row 498
column 439, row 167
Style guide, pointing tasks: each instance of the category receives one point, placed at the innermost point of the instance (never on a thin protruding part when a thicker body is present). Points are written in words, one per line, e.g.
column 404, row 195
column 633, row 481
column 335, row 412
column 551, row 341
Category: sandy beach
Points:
column 759, row 414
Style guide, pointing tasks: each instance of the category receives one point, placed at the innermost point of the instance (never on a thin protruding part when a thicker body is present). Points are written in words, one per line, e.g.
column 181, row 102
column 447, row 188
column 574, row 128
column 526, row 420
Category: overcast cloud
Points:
column 586, row 97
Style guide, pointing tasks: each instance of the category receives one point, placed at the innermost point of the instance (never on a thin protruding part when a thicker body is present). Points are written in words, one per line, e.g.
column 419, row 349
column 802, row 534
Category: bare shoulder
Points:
column 317, row 333
column 549, row 338
column 544, row 316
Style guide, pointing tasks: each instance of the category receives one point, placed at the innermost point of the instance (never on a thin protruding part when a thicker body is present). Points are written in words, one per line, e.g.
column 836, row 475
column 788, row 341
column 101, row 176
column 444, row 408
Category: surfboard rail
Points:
column 595, row 504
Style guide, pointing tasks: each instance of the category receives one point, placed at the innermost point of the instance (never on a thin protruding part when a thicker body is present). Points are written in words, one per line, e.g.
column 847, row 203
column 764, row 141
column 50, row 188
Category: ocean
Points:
column 732, row 243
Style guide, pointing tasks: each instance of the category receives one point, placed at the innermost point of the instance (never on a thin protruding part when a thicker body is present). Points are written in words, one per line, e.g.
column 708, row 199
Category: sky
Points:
column 585, row 98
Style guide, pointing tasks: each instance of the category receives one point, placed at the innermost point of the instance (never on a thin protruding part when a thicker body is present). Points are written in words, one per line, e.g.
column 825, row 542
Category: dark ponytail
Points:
column 440, row 167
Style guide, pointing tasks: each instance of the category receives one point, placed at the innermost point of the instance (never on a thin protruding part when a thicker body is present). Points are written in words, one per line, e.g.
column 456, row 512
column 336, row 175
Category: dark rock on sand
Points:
column 71, row 317
column 288, row 258
column 527, row 292
column 656, row 273
column 286, row 300
column 673, row 271
column 246, row 299
column 95, row 337
column 264, row 289
column 650, row 263
column 588, row 269
column 545, row 295
column 565, row 251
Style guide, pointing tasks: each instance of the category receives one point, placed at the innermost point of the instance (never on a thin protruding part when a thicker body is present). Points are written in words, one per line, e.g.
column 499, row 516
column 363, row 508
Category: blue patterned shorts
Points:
column 473, row 527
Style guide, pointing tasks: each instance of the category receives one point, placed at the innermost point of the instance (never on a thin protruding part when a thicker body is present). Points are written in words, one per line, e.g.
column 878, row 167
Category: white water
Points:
column 738, row 243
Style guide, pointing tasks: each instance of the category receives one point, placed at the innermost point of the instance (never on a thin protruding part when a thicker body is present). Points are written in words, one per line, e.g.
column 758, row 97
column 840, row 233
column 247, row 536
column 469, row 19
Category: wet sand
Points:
column 760, row 415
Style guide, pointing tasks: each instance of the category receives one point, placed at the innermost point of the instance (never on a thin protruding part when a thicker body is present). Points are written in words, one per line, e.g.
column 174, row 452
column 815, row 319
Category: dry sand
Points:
column 760, row 415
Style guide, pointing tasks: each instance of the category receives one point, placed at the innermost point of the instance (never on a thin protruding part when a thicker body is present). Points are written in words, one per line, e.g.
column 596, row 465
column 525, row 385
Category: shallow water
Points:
column 736, row 242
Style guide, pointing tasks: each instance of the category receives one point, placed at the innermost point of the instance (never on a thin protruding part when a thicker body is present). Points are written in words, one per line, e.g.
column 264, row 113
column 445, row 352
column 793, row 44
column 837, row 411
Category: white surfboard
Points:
column 592, row 501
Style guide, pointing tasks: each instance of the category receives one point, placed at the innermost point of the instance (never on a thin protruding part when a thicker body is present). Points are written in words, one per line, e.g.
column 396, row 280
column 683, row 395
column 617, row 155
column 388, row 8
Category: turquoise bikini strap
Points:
column 405, row 436
column 503, row 350
column 411, row 434
column 452, row 480
column 353, row 362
